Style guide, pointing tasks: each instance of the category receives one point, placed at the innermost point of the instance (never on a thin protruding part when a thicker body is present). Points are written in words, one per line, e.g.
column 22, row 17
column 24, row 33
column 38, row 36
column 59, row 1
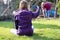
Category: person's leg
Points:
column 48, row 13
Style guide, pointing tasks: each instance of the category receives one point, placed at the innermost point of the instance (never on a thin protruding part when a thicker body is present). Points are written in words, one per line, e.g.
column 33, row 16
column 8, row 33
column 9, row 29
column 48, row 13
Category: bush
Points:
column 8, row 17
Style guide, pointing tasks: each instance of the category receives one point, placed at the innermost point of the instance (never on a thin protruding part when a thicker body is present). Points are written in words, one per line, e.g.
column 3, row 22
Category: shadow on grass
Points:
column 46, row 26
column 36, row 25
column 7, row 24
column 39, row 37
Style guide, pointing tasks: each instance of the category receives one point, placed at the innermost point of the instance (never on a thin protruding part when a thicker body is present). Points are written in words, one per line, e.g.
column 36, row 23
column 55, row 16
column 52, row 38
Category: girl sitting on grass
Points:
column 23, row 20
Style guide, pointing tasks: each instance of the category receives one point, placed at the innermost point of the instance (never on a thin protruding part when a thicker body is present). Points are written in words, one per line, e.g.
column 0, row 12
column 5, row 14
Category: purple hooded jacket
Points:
column 23, row 21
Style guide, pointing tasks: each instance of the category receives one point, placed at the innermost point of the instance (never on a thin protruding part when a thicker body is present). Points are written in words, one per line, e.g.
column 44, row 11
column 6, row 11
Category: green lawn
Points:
column 44, row 30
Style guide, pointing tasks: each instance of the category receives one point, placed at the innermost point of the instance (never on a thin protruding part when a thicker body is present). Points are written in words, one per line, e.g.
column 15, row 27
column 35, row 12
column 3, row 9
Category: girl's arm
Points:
column 16, row 19
column 35, row 14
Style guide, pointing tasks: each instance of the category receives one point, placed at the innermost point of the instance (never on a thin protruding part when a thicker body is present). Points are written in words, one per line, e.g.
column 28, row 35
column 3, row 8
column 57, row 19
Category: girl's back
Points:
column 25, row 17
column 24, row 22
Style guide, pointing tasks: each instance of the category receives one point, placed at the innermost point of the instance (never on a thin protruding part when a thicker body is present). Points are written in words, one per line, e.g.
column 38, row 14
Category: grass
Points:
column 59, row 11
column 44, row 30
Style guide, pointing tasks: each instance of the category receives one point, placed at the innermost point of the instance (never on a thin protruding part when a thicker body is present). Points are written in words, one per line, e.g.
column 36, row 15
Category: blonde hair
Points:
column 23, row 5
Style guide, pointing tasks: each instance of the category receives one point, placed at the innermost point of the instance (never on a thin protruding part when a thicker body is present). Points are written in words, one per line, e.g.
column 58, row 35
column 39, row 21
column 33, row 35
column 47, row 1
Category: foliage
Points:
column 17, row 4
column 50, row 0
column 6, row 18
column 58, row 7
